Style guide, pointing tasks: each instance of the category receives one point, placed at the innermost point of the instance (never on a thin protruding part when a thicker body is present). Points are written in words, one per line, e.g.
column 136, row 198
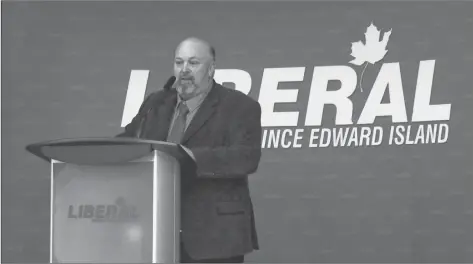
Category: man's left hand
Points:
column 189, row 152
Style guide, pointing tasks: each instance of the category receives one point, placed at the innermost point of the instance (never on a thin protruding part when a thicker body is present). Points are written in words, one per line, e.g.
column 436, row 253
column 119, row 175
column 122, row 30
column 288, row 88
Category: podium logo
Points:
column 117, row 212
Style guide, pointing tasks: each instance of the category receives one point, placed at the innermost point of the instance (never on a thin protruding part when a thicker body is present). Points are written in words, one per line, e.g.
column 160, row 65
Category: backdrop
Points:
column 382, row 174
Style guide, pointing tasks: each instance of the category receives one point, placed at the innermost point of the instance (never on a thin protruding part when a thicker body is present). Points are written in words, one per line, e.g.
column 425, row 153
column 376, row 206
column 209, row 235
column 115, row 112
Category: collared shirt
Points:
column 193, row 104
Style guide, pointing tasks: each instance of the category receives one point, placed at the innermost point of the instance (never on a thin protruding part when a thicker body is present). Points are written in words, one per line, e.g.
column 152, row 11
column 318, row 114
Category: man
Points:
column 221, row 130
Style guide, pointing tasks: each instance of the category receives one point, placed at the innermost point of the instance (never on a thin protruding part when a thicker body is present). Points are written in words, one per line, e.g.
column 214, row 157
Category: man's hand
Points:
column 189, row 152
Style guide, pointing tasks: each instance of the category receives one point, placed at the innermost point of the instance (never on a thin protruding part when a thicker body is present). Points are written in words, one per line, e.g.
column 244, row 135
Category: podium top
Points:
column 104, row 150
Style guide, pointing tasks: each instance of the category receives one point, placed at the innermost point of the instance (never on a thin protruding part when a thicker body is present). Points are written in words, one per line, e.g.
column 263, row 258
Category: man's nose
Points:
column 185, row 68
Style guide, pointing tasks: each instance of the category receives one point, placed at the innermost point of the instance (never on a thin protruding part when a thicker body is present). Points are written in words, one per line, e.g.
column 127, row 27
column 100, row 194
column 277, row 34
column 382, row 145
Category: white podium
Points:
column 114, row 200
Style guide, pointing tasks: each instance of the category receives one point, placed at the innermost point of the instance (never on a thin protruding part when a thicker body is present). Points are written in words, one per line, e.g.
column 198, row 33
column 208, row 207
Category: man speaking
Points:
column 221, row 130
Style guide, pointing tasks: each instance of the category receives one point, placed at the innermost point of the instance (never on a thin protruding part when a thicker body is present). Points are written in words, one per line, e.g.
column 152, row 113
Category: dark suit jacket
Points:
column 217, row 217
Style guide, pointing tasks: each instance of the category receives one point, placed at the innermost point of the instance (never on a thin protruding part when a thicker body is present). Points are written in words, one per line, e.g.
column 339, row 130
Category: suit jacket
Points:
column 217, row 218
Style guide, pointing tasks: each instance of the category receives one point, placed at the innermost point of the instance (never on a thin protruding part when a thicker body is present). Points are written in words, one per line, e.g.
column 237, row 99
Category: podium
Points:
column 114, row 200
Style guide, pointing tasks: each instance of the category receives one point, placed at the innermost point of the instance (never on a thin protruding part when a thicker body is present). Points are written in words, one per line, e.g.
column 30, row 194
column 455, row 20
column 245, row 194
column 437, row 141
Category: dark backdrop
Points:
column 65, row 71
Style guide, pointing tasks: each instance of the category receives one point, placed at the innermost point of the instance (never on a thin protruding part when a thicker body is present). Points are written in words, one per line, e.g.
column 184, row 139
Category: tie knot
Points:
column 183, row 109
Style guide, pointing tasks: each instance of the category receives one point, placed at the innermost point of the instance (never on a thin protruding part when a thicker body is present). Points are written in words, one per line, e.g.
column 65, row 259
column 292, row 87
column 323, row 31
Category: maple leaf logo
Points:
column 372, row 51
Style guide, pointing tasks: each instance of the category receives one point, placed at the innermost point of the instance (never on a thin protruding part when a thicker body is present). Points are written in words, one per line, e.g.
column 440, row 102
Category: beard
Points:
column 186, row 88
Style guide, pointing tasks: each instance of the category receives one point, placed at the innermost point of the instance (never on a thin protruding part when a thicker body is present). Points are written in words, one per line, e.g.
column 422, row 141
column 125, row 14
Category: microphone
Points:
column 167, row 86
column 170, row 83
column 140, row 130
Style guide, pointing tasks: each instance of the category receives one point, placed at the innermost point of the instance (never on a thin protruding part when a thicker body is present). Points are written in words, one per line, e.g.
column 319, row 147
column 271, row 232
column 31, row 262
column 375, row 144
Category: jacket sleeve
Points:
column 242, row 155
column 132, row 127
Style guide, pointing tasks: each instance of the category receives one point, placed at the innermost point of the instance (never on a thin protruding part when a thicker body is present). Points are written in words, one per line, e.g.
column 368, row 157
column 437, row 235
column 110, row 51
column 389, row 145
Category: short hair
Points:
column 211, row 48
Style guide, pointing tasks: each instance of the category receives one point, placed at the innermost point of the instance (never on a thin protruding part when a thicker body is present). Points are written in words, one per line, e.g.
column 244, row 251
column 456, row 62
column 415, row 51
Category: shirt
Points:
column 193, row 104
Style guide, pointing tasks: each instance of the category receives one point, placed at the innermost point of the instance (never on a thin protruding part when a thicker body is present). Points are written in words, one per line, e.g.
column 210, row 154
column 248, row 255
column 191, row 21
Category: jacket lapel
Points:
column 164, row 114
column 206, row 110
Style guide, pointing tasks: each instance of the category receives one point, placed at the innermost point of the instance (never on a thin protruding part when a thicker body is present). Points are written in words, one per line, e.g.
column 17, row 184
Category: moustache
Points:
column 178, row 81
column 184, row 81
column 187, row 78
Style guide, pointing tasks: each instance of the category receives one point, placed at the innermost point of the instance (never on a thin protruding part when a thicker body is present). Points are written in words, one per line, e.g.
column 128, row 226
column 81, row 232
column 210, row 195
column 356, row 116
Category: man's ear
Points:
column 211, row 70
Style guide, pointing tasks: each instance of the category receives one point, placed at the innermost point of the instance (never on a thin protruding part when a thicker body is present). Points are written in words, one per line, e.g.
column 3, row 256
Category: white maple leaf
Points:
column 372, row 51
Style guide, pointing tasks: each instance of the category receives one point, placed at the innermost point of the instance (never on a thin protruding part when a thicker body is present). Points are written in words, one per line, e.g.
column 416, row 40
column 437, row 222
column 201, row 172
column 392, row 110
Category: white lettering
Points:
column 319, row 96
column 269, row 95
column 389, row 76
column 422, row 134
column 135, row 95
column 423, row 110
column 286, row 138
column 240, row 78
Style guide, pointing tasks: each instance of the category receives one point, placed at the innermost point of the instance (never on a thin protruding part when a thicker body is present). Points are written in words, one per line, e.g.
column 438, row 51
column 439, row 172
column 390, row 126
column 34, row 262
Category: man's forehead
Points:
column 192, row 49
column 189, row 57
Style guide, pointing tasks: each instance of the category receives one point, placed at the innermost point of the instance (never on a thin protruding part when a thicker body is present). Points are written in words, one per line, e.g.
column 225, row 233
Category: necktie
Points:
column 179, row 125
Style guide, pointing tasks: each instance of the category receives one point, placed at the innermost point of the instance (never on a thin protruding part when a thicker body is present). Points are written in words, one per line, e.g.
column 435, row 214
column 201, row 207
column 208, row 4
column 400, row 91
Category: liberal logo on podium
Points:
column 118, row 212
